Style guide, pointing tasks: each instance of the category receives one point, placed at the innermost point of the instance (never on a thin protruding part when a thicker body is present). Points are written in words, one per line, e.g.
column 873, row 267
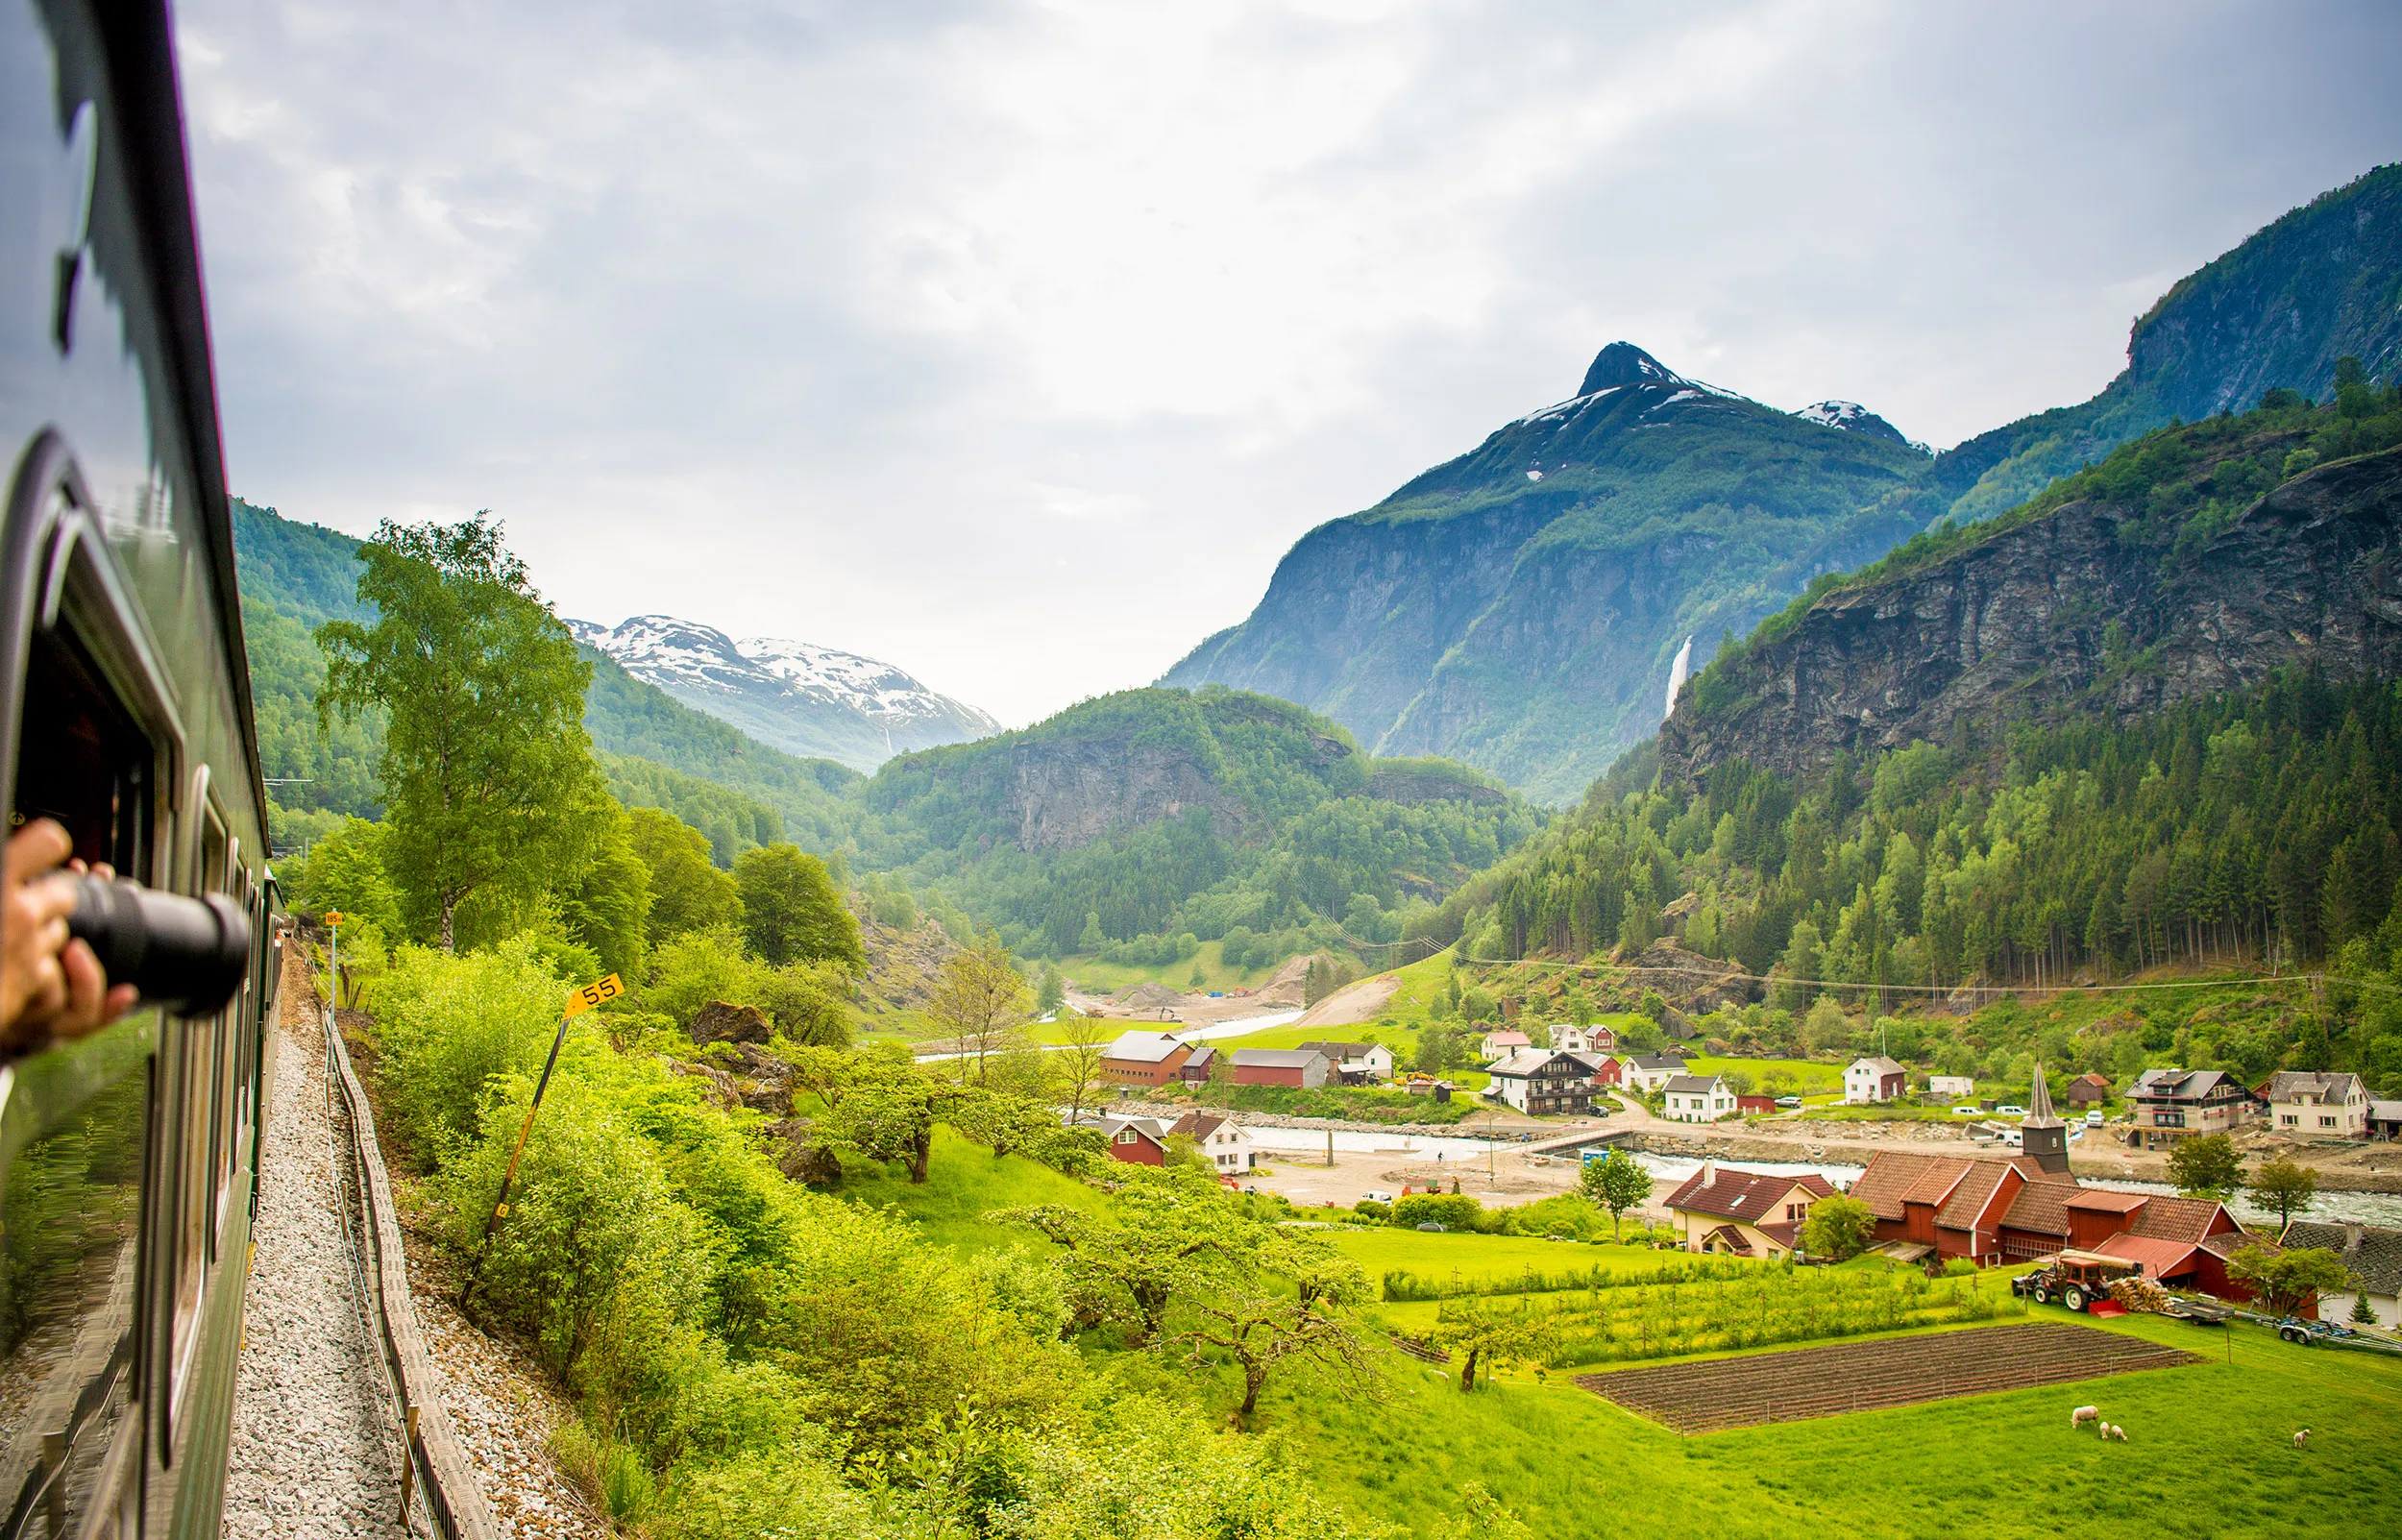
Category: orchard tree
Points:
column 1288, row 1305
column 2206, row 1167
column 1484, row 1330
column 1617, row 1183
column 488, row 774
column 791, row 910
column 1076, row 1067
column 1172, row 1234
column 2286, row 1187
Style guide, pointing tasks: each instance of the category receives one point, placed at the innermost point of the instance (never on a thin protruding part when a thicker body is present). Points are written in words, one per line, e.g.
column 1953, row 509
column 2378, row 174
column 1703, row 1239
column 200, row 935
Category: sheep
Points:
column 2301, row 1437
column 2083, row 1416
column 2114, row 1430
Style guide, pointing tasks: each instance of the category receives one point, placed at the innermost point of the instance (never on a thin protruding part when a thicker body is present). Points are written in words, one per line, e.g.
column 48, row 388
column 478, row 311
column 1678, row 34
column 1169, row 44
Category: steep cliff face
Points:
column 1519, row 607
column 2082, row 610
column 2320, row 283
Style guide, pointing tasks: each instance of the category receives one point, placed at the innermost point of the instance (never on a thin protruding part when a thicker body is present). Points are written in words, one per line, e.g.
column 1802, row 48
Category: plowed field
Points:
column 1774, row 1387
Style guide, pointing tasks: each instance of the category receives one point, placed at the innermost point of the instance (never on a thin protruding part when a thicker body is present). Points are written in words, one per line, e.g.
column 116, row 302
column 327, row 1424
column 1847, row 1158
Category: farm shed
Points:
column 1279, row 1066
column 2373, row 1254
column 1145, row 1058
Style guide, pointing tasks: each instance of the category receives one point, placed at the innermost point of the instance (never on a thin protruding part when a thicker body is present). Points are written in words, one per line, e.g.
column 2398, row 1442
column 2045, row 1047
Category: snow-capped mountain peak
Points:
column 1851, row 417
column 799, row 696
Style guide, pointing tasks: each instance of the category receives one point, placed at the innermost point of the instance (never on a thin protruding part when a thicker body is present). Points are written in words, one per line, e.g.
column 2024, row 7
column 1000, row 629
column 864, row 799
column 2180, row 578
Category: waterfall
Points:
column 1677, row 674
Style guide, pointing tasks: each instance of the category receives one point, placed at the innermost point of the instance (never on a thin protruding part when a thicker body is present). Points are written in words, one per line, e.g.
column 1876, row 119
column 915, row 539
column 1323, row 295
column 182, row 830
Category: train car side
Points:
column 127, row 1161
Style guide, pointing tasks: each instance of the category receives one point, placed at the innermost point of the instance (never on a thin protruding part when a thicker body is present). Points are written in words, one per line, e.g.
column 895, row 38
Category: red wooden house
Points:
column 1755, row 1106
column 1137, row 1140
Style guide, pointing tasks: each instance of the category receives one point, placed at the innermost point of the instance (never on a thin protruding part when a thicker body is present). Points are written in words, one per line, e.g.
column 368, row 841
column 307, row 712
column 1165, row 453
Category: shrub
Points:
column 451, row 1025
column 1369, row 1209
column 1453, row 1211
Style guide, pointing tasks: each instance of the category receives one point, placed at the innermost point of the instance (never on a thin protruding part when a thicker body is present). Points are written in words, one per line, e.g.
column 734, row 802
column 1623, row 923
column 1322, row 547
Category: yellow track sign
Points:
column 333, row 917
column 592, row 994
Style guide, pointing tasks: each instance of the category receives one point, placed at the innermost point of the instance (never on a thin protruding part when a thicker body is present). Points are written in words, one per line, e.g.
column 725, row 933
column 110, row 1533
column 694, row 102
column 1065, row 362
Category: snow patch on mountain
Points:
column 800, row 696
column 1851, row 417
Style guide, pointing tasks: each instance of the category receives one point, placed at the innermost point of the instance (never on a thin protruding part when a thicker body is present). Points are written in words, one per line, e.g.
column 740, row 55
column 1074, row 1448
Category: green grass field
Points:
column 1477, row 1258
column 2210, row 1454
column 962, row 1183
column 1809, row 1076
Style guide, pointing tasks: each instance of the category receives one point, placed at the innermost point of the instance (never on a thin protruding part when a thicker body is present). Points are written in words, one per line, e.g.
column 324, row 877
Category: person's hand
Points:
column 51, row 985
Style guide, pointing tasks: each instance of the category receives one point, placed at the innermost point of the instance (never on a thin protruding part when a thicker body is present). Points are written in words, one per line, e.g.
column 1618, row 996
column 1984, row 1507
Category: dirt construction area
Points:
column 1776, row 1387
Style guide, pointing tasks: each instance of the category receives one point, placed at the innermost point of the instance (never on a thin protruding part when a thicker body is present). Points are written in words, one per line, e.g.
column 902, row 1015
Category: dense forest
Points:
column 2256, row 830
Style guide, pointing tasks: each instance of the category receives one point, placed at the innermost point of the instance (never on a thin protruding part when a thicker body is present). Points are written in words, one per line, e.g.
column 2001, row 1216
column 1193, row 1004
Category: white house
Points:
column 1694, row 1099
column 1356, row 1062
column 2374, row 1255
column 1649, row 1073
column 1584, row 1040
column 1221, row 1139
column 1949, row 1086
column 1872, row 1080
column 2312, row 1106
column 1502, row 1043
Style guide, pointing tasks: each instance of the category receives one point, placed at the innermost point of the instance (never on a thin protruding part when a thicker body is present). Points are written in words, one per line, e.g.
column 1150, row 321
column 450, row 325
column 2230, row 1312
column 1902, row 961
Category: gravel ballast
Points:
column 313, row 1450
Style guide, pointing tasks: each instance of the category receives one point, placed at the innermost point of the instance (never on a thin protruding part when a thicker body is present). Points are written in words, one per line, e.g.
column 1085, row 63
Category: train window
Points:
column 200, row 1066
column 74, row 1126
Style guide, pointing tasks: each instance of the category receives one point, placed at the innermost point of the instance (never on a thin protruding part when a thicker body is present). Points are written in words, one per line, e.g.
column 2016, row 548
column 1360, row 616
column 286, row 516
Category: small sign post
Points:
column 578, row 1003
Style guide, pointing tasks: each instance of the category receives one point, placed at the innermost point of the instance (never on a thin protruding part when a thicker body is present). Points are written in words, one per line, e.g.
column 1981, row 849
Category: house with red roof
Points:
column 1744, row 1214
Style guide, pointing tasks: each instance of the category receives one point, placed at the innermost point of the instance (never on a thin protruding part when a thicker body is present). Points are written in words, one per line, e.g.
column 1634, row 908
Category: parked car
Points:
column 1969, row 1111
column 1376, row 1195
column 1788, row 1101
column 2009, row 1111
column 2094, row 1118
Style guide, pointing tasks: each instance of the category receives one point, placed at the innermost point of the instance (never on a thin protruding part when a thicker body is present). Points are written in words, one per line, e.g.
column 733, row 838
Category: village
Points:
column 1995, row 1190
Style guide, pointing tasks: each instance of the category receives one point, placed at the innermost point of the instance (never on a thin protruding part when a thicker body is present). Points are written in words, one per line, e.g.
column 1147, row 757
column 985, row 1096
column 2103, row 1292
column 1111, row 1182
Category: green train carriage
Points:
column 128, row 1161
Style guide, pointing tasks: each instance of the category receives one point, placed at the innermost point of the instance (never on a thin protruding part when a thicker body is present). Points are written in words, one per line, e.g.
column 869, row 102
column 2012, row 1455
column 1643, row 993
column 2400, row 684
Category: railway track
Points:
column 337, row 1427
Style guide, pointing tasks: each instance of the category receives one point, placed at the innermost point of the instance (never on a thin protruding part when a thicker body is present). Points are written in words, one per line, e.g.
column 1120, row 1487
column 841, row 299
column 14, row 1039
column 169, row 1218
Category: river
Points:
column 2331, row 1207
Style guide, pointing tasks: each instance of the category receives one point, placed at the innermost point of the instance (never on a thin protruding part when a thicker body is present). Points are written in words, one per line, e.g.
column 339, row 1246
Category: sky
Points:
column 1013, row 343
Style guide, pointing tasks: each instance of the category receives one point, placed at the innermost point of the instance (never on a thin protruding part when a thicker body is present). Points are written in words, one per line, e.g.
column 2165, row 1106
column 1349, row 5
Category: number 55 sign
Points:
column 592, row 994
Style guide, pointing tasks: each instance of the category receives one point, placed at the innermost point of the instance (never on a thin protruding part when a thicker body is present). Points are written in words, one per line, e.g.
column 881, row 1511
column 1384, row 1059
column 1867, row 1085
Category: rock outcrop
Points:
column 2066, row 614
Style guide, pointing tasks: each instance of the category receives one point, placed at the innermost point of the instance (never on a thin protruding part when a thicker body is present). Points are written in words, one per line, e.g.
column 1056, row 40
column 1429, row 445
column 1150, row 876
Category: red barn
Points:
column 1299, row 1067
column 1755, row 1106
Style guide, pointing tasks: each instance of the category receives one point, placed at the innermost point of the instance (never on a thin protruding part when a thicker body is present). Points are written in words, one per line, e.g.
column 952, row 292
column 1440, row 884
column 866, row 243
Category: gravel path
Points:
column 314, row 1452
column 505, row 1408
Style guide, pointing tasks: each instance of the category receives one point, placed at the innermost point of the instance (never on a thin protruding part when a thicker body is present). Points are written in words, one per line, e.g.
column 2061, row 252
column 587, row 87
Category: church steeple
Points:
column 2043, row 1136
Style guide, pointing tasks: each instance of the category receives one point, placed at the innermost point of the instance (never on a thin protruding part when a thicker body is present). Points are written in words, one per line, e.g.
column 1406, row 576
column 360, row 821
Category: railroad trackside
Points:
column 314, row 1452
column 1774, row 1387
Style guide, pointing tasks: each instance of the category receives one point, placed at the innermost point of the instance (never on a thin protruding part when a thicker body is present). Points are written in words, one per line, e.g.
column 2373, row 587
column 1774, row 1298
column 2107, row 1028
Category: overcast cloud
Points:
column 1013, row 343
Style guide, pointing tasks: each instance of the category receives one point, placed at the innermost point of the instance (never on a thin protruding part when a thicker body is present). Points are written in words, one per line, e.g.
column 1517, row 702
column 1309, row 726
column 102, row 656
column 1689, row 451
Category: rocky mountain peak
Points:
column 1851, row 417
column 1622, row 363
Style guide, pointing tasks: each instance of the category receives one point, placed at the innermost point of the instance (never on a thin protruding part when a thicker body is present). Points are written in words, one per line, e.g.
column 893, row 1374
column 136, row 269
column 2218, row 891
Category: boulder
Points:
column 720, row 1022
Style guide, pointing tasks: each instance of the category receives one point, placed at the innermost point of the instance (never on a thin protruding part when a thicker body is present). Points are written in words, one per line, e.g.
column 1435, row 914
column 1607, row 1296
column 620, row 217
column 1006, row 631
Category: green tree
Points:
column 1288, row 1305
column 2286, row 1187
column 1051, row 993
column 791, row 910
column 346, row 872
column 487, row 768
column 608, row 907
column 2206, row 1167
column 1172, row 1233
column 1483, row 1331
column 979, row 1006
column 2287, row 1281
column 1439, row 1049
column 1617, row 1183
column 1089, row 939
column 1839, row 1228
column 687, row 892
column 2363, row 1313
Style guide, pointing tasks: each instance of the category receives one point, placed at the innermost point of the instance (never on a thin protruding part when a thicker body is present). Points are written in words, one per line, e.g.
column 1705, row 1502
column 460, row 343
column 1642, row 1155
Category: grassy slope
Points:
column 2212, row 1449
column 2211, row 1454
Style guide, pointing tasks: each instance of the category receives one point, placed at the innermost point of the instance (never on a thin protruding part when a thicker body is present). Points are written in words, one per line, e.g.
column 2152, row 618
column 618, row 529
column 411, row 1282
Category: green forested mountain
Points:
column 1521, row 607
column 2321, row 283
column 1146, row 821
column 2152, row 717
column 656, row 751
column 1159, row 818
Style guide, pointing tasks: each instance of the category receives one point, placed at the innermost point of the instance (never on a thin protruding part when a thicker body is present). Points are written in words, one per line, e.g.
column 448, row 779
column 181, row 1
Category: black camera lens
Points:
column 186, row 954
